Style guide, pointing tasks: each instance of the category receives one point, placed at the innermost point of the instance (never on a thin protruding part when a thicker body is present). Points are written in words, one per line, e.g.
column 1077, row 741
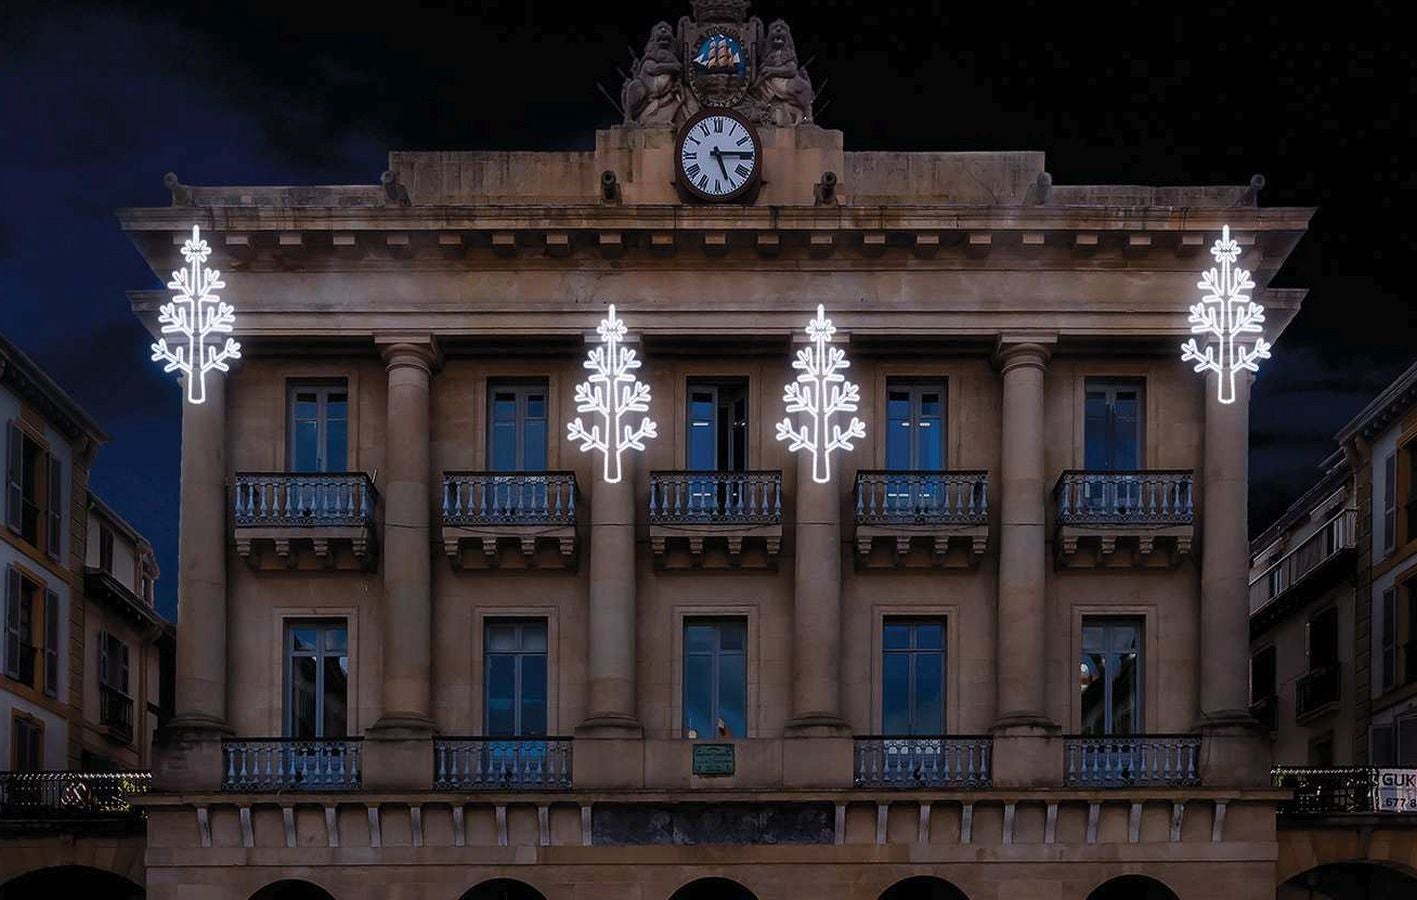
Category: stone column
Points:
column 1021, row 645
column 816, row 608
column 405, row 556
column 1233, row 750
column 188, row 751
column 610, row 663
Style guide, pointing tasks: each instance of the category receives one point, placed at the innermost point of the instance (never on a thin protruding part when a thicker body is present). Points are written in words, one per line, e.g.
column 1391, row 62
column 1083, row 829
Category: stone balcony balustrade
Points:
column 262, row 765
column 502, row 763
column 525, row 509
column 907, row 762
column 1120, row 761
column 693, row 509
column 1151, row 511
column 935, row 511
column 331, row 513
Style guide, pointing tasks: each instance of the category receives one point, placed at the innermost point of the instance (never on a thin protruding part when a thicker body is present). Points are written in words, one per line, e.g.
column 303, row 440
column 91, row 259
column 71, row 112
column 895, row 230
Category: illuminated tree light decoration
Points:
column 1226, row 313
column 611, row 392
column 196, row 313
column 820, row 391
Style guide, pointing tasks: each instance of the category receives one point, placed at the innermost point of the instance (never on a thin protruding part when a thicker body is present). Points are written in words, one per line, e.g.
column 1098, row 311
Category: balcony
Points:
column 115, row 713
column 331, row 513
column 266, row 765
column 502, row 764
column 1302, row 573
column 1316, row 693
column 1345, row 790
column 884, row 761
column 1132, row 760
column 725, row 508
column 934, row 509
column 1151, row 511
column 1265, row 710
column 71, row 795
column 528, row 509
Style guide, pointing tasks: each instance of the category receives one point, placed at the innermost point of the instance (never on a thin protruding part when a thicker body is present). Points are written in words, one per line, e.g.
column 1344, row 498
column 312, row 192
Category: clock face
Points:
column 719, row 156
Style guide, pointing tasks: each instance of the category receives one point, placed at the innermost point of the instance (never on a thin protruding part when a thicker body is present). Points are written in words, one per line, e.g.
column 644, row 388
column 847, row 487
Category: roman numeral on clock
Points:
column 693, row 171
column 743, row 171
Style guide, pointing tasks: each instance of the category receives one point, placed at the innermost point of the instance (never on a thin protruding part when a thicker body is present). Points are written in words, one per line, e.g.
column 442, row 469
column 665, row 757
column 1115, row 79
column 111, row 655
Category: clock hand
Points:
column 718, row 155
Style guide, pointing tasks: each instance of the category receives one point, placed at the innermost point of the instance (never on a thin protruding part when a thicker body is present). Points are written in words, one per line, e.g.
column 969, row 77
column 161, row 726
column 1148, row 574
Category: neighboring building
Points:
column 427, row 650
column 83, row 650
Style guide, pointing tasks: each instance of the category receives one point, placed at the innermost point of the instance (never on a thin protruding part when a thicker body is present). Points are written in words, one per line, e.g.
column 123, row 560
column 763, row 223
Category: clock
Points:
column 718, row 156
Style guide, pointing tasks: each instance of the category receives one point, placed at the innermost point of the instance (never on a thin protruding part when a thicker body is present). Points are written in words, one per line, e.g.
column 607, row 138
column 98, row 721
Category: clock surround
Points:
column 718, row 157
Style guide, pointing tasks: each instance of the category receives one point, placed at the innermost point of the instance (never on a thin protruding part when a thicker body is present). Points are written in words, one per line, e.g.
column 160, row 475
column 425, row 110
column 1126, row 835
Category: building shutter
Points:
column 55, row 519
column 12, row 622
column 1389, row 639
column 51, row 643
column 1406, row 741
column 103, row 678
column 123, row 669
column 14, row 463
column 1380, row 745
column 1389, row 503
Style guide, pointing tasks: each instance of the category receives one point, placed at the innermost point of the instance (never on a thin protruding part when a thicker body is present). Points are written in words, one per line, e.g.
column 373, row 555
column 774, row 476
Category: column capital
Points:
column 1024, row 349
column 409, row 350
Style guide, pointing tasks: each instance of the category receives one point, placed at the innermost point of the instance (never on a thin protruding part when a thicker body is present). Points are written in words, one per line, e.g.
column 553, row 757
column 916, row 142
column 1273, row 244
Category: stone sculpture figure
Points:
column 654, row 92
column 782, row 84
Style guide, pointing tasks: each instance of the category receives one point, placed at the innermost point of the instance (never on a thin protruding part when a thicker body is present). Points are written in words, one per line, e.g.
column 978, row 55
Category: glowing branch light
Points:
column 611, row 392
column 195, row 313
column 820, row 391
column 1226, row 313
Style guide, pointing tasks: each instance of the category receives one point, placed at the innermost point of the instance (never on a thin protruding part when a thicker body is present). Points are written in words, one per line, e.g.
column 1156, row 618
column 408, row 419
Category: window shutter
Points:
column 12, row 622
column 1406, row 752
column 1389, row 639
column 14, row 462
column 1390, row 503
column 55, row 519
column 51, row 643
column 123, row 668
column 1380, row 745
column 103, row 678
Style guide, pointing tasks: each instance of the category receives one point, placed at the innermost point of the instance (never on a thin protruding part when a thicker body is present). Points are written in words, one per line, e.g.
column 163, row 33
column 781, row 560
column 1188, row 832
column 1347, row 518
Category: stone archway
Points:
column 70, row 881
column 503, row 889
column 292, row 889
column 1349, row 881
column 923, row 887
column 713, row 889
column 1132, row 887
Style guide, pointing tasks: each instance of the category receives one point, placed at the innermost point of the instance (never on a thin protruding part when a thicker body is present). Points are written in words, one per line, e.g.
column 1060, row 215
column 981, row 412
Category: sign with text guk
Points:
column 1395, row 791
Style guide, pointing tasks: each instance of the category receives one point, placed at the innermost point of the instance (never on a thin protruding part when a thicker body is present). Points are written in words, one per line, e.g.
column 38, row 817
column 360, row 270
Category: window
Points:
column 915, row 430
column 113, row 663
column 25, row 621
column 1112, row 425
column 1389, row 639
column 1393, row 743
column 516, row 436
column 105, row 548
column 1263, row 675
column 913, row 677
column 718, row 426
column 1321, row 750
column 1409, row 646
column 34, row 491
column 317, row 679
column 27, row 745
column 1322, row 640
column 319, row 427
column 1389, row 503
column 515, row 678
column 1110, row 676
column 715, row 678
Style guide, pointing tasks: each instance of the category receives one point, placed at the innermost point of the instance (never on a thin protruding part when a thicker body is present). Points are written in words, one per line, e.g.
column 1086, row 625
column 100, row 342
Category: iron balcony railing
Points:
column 887, row 761
column 295, row 764
column 1337, row 535
column 1132, row 760
column 509, row 498
column 304, row 499
column 954, row 497
column 1337, row 790
column 1152, row 497
column 115, row 710
column 71, row 795
column 715, row 498
column 1316, row 689
column 502, row 764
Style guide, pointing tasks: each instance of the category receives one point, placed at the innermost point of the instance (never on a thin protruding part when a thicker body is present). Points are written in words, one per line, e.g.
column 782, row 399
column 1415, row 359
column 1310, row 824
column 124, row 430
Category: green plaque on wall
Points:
column 713, row 759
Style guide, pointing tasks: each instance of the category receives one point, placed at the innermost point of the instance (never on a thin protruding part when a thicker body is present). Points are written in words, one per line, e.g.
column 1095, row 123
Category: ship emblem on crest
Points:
column 719, row 66
column 720, row 54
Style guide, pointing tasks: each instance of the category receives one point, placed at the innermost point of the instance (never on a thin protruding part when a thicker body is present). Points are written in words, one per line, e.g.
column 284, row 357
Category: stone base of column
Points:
column 818, row 762
column 396, row 763
column 609, row 762
column 402, row 725
column 1028, row 752
column 610, row 725
column 1235, row 750
column 816, row 725
column 187, row 755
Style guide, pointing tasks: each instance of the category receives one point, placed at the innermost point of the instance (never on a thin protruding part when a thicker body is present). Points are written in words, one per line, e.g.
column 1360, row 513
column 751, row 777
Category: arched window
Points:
column 1133, row 887
column 503, row 889
column 713, row 889
column 292, row 889
column 923, row 887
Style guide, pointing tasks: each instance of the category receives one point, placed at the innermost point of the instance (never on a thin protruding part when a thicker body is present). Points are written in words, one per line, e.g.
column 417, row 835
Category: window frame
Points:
column 323, row 388
column 916, row 385
column 715, row 679
column 717, row 386
column 1309, row 630
column 47, row 503
column 19, row 722
column 105, row 547
column 288, row 655
column 107, row 643
column 1388, row 646
column 912, row 654
column 1110, row 385
column 1108, row 620
column 519, row 655
column 521, row 388
column 44, row 638
column 1273, row 653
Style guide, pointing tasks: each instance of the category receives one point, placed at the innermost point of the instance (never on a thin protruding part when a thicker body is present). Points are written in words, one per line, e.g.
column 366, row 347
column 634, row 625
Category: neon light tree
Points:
column 821, row 391
column 195, row 312
column 612, row 392
column 1226, row 313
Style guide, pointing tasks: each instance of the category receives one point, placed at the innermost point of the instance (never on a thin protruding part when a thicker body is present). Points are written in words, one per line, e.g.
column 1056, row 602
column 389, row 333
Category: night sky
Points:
column 97, row 102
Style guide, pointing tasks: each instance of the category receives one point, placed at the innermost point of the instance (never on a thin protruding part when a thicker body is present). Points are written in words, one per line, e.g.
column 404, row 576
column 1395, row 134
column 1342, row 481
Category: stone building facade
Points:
column 427, row 650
